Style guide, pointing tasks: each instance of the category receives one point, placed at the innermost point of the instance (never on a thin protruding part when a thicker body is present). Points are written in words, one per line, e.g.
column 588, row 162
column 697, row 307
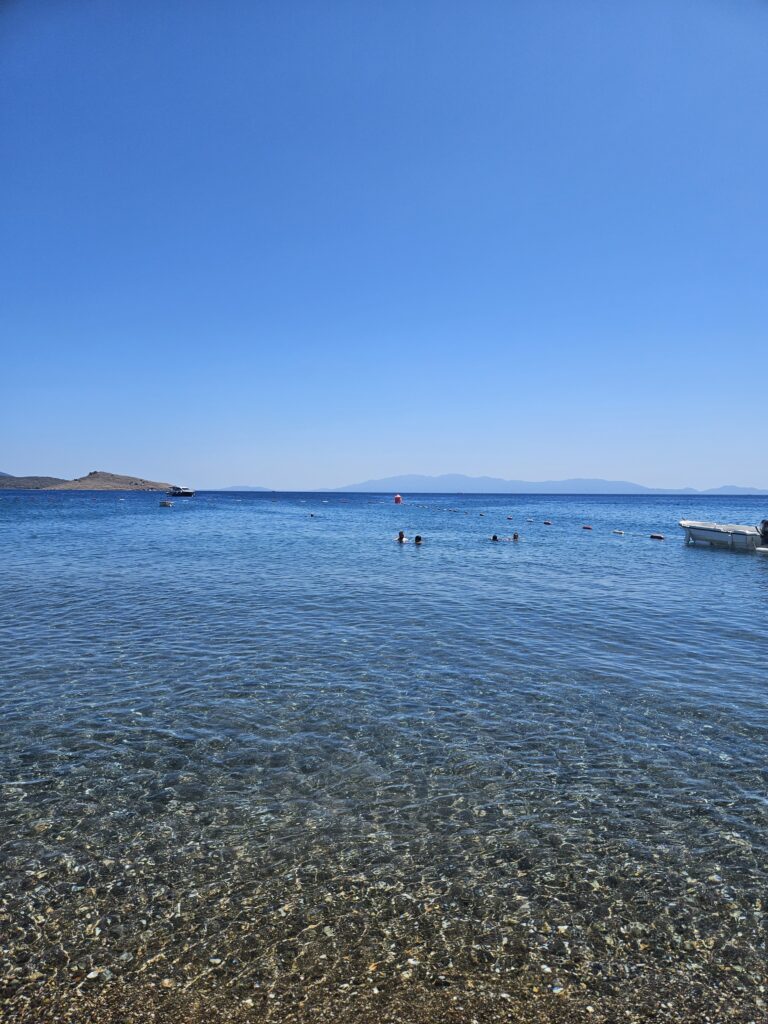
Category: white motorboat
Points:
column 181, row 492
column 727, row 535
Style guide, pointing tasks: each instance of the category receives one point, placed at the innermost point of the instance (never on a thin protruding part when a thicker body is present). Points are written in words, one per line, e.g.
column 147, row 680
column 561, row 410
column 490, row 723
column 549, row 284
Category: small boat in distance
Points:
column 727, row 535
column 181, row 492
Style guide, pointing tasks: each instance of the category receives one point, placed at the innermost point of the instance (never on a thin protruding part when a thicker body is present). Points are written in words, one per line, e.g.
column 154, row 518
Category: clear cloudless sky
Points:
column 301, row 244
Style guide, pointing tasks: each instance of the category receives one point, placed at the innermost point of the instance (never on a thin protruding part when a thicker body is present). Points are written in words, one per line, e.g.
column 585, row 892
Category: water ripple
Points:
column 248, row 748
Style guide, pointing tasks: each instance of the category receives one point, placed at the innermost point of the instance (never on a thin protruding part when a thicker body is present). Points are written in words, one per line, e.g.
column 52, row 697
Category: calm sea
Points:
column 253, row 749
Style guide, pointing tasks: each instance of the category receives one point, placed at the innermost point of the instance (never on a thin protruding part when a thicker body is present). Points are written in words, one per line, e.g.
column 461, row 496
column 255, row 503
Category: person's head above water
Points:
column 515, row 537
column 417, row 539
column 401, row 538
column 494, row 537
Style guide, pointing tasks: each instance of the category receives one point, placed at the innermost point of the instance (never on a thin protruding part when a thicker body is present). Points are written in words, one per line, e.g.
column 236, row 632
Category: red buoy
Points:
column 398, row 500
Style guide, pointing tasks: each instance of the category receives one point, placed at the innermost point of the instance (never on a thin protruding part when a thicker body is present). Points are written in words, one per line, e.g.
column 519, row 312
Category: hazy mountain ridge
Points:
column 244, row 487
column 450, row 483
column 414, row 483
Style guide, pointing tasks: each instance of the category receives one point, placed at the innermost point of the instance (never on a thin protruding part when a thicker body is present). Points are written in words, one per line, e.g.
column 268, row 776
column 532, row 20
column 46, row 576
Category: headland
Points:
column 97, row 480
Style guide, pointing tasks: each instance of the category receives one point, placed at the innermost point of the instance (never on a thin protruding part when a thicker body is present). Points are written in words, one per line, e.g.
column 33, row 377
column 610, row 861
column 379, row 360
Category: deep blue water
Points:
column 501, row 755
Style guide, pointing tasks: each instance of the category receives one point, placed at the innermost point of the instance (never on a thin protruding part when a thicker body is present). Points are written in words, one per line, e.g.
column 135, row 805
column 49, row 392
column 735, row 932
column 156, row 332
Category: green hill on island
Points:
column 94, row 481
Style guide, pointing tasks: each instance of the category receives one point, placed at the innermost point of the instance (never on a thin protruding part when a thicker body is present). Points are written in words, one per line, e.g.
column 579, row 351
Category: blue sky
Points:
column 301, row 244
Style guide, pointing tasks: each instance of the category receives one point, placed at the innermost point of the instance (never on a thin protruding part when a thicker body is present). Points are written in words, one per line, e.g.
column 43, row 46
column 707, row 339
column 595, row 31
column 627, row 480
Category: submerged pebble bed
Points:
column 253, row 769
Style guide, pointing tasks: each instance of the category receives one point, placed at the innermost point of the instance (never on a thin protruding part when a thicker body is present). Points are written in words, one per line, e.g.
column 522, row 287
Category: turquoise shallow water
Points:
column 539, row 763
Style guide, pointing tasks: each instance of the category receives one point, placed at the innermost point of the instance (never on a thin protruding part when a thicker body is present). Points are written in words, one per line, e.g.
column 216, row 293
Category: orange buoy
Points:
column 398, row 500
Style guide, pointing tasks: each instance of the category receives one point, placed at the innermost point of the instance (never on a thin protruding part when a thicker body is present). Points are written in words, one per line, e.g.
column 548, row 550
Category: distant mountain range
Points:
column 452, row 483
column 448, row 483
column 244, row 487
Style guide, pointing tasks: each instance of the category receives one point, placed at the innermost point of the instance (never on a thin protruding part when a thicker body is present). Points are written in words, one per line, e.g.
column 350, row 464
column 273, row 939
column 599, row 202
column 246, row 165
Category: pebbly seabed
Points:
column 258, row 762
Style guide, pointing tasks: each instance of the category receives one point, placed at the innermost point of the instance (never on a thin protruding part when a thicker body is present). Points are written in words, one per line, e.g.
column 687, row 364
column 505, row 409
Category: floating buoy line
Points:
column 398, row 500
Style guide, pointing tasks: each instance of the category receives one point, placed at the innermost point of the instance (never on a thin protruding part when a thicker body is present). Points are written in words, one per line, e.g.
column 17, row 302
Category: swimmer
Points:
column 515, row 537
column 401, row 538
column 494, row 537
column 417, row 539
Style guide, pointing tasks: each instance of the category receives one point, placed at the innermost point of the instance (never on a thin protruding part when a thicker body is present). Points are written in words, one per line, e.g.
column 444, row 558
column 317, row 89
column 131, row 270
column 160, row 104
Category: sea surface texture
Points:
column 260, row 762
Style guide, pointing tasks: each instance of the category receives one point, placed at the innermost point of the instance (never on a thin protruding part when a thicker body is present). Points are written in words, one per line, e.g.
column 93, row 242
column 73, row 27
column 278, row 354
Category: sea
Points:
column 257, row 760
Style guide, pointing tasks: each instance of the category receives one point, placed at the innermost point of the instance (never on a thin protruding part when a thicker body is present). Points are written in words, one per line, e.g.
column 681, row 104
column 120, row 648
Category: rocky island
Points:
column 97, row 480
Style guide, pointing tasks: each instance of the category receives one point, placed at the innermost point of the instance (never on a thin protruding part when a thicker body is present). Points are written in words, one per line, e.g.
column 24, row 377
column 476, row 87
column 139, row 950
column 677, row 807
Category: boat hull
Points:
column 733, row 537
